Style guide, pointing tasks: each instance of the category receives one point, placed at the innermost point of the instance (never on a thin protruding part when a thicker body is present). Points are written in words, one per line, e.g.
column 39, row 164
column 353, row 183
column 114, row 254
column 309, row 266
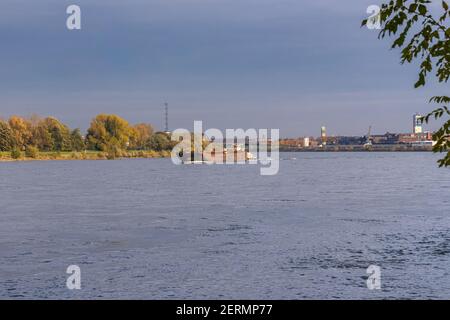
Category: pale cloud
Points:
column 298, row 62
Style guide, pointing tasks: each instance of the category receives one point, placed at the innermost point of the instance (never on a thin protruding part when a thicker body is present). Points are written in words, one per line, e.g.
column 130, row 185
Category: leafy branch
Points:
column 429, row 44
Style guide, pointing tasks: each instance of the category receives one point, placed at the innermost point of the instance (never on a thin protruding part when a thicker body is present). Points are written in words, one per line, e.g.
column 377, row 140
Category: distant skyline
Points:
column 287, row 64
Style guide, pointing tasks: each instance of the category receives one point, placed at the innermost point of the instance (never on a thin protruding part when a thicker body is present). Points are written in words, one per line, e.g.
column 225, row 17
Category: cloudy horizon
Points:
column 293, row 65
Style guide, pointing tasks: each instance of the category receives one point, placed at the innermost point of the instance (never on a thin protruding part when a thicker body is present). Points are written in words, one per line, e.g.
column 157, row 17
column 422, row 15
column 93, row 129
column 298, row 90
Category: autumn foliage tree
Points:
column 108, row 133
column 35, row 133
column 140, row 136
column 41, row 137
column 21, row 131
column 108, row 130
column 423, row 37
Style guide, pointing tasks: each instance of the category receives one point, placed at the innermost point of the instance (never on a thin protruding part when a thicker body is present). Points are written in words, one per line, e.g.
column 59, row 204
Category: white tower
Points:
column 323, row 135
column 417, row 124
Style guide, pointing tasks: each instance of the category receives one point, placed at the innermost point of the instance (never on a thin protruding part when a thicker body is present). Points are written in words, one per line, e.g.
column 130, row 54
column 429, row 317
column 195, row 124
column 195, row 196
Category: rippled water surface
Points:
column 150, row 229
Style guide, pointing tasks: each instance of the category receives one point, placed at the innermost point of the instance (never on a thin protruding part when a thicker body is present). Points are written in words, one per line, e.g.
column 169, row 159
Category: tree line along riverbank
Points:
column 108, row 137
column 83, row 155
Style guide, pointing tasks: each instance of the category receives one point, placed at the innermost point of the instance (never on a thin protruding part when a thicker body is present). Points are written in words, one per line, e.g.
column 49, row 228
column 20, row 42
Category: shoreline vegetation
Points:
column 108, row 137
column 85, row 155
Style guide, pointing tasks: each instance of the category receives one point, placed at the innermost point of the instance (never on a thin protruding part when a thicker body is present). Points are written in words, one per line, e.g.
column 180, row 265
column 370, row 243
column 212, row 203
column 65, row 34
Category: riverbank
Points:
column 84, row 155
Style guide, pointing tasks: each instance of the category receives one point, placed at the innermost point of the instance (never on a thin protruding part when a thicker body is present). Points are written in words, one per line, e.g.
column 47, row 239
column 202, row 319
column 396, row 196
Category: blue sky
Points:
column 293, row 65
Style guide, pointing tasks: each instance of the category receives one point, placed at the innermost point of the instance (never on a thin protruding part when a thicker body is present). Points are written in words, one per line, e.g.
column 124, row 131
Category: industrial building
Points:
column 417, row 137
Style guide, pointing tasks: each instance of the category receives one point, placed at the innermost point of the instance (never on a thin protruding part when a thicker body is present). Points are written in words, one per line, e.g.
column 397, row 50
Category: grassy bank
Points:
column 84, row 155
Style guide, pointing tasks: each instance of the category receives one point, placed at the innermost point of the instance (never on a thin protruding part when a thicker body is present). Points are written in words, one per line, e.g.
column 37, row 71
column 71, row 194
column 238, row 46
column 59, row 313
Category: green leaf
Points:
column 421, row 81
column 422, row 9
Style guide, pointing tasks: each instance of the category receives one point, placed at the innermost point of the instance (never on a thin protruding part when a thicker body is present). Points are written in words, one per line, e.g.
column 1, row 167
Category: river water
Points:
column 148, row 229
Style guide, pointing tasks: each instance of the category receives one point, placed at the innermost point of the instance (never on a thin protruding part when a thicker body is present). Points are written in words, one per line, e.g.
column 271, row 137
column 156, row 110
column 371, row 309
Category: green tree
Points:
column 423, row 37
column 6, row 137
column 60, row 134
column 107, row 130
column 159, row 141
column 41, row 137
column 77, row 141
